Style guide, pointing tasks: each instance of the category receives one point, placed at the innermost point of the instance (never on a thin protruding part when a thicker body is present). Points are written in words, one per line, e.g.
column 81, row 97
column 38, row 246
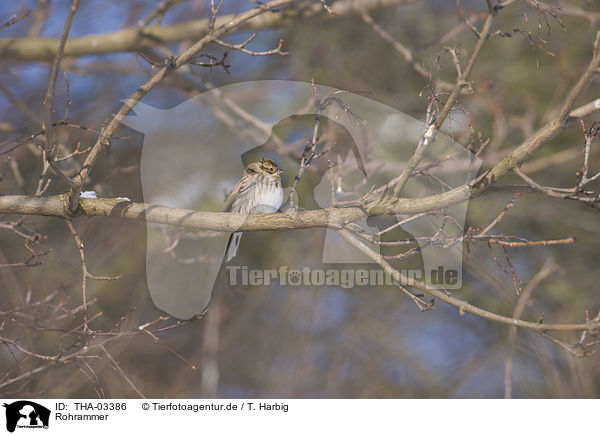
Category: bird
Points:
column 258, row 191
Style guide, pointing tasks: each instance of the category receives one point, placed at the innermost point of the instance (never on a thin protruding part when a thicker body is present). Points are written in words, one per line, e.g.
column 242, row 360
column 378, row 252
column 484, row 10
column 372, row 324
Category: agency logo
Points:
column 336, row 149
column 25, row 414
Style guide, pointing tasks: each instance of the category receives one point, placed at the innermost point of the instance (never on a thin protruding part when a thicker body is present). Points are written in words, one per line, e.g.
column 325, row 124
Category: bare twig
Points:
column 158, row 13
column 85, row 273
column 14, row 19
column 52, row 79
column 435, row 119
column 119, row 370
column 242, row 47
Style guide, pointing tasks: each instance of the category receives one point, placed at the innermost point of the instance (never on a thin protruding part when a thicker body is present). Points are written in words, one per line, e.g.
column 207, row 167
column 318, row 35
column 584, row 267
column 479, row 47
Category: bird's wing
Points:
column 245, row 182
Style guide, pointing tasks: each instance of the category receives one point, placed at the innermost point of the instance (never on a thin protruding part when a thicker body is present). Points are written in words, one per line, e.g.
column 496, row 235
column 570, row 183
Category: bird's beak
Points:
column 281, row 170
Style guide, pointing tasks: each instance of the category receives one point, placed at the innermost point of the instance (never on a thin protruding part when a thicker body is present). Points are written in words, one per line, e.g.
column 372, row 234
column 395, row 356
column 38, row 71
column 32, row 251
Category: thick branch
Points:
column 131, row 39
column 58, row 206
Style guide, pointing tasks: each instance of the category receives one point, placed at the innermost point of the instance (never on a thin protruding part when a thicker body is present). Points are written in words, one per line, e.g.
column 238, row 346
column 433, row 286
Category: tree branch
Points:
column 464, row 306
column 131, row 39
column 176, row 63
column 53, row 75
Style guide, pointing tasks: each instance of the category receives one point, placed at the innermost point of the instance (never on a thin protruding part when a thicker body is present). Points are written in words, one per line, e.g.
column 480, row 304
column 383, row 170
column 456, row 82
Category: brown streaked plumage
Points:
column 258, row 191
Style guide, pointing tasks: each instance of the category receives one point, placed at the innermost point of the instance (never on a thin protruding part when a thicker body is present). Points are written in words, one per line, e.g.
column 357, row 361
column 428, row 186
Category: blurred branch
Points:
column 19, row 104
column 40, row 14
column 159, row 12
column 548, row 267
column 406, row 53
column 398, row 46
column 566, row 9
column 132, row 39
column 120, row 371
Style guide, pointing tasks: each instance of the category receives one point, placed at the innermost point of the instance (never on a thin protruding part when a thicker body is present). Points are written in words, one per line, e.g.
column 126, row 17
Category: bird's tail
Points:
column 232, row 246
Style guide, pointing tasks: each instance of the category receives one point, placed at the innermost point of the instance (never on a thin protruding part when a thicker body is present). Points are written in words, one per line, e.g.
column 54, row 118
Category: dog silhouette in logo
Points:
column 191, row 152
column 30, row 412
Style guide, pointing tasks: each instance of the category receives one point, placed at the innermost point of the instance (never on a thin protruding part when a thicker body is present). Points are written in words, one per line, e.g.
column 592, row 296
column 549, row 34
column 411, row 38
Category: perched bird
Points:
column 258, row 191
